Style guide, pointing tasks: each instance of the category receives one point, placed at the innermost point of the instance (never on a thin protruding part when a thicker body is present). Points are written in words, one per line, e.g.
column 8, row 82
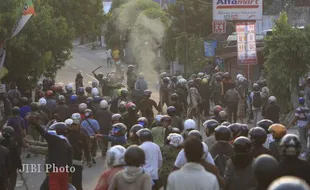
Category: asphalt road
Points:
column 85, row 60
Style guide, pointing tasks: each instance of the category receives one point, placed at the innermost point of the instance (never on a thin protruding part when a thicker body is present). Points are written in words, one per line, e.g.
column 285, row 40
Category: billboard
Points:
column 237, row 9
column 246, row 43
column 209, row 47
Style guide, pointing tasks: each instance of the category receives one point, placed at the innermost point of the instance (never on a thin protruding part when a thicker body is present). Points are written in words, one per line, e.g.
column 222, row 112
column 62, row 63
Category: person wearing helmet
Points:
column 256, row 102
column 88, row 91
column 79, row 141
column 223, row 116
column 115, row 162
column 232, row 98
column 177, row 104
column 222, row 150
column 56, row 144
column 117, row 135
column 194, row 101
column 176, row 121
column 95, row 103
column 164, row 92
column 239, row 171
column 154, row 160
column 25, row 108
column 122, row 108
column 141, row 84
column 193, row 174
column 217, row 91
column 116, row 118
column 74, row 105
column 242, row 88
column 158, row 130
column 50, row 101
column 209, row 127
column 244, row 130
column 122, row 95
column 182, row 92
column 92, row 127
column 143, row 121
column 147, row 104
column 41, row 118
column 258, row 137
column 189, row 125
column 167, row 128
column 69, row 92
column 236, row 130
column 81, row 95
column 14, row 95
column 301, row 117
column 131, row 117
column 290, row 164
column 265, row 92
column 216, row 111
column 278, row 131
column 289, row 182
column 265, row 124
column 131, row 77
column 62, row 109
column 172, row 86
column 205, row 95
column 133, row 137
column 265, row 169
column 11, row 144
column 272, row 110
column 133, row 178
column 79, row 80
column 82, row 108
column 95, row 92
column 169, row 153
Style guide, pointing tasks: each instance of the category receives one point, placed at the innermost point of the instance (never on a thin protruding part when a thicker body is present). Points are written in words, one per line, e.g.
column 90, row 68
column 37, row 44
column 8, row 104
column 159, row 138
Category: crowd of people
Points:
column 153, row 151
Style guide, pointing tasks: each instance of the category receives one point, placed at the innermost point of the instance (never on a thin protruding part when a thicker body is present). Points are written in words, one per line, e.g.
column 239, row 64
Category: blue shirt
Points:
column 91, row 129
column 301, row 113
column 24, row 110
column 121, row 140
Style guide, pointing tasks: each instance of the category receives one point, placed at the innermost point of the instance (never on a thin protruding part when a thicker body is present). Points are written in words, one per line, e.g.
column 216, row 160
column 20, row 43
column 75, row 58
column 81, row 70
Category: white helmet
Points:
column 69, row 87
column 95, row 92
column 82, row 107
column 76, row 118
column 242, row 79
column 115, row 156
column 104, row 104
column 175, row 139
column 238, row 76
column 68, row 122
column 157, row 119
column 272, row 99
column 189, row 124
column 42, row 102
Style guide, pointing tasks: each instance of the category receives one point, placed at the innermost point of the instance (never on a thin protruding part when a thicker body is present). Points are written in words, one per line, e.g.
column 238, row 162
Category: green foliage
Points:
column 287, row 53
column 42, row 47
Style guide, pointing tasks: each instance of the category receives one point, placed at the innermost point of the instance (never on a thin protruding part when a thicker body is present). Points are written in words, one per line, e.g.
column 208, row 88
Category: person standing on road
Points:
column 232, row 98
column 257, row 103
column 301, row 118
column 115, row 54
column 109, row 57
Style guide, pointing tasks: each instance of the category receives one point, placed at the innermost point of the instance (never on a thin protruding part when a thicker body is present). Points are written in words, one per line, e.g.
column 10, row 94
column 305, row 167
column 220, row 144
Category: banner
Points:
column 209, row 47
column 246, row 43
column 26, row 13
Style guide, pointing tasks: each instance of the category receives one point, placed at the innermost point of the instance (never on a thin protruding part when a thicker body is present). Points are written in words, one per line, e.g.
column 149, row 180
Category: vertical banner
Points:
column 209, row 47
column 246, row 43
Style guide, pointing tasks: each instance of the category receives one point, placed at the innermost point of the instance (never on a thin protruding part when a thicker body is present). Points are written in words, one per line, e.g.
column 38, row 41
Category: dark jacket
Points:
column 130, row 119
column 11, row 145
column 47, row 112
column 176, row 121
column 59, row 150
column 79, row 143
column 104, row 119
column 63, row 111
column 258, row 150
column 5, row 163
column 222, row 147
column 74, row 108
column 272, row 112
column 275, row 150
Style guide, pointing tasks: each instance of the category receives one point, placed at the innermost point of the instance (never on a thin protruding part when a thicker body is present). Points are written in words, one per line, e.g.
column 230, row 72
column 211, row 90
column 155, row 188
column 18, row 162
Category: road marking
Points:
column 91, row 76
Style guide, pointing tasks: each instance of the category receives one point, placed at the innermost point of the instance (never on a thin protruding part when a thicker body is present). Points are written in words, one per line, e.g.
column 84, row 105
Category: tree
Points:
column 287, row 53
column 42, row 47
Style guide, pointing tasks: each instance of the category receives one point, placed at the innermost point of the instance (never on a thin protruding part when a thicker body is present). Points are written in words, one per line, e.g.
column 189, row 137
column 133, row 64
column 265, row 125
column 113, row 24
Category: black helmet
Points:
column 145, row 135
column 226, row 123
column 236, row 129
column 196, row 134
column 265, row 169
column 255, row 87
column 15, row 111
column 116, row 118
column 171, row 111
column 143, row 121
column 258, row 135
column 34, row 106
column 289, row 183
column 88, row 89
column 124, row 92
column 25, row 100
column 242, row 145
column 265, row 124
column 174, row 79
column 118, row 129
column 147, row 92
column 174, row 97
column 134, row 129
column 290, row 146
column 244, row 130
column 166, row 80
column 7, row 132
column 222, row 133
column 134, row 156
column 122, row 107
column 210, row 124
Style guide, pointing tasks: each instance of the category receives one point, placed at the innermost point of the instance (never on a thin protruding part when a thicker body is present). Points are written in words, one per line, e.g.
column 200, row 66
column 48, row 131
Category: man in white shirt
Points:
column 192, row 176
column 153, row 156
column 109, row 57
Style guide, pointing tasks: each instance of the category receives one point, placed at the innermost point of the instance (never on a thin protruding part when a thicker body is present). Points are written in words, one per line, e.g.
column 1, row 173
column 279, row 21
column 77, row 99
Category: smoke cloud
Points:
column 145, row 36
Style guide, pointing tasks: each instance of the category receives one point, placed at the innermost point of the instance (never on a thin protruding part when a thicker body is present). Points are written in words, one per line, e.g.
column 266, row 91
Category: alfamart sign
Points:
column 237, row 9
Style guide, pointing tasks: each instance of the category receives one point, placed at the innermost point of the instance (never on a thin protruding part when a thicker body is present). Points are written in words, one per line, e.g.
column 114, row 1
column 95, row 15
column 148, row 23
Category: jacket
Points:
column 141, row 85
column 272, row 112
column 158, row 135
column 5, row 163
column 192, row 176
column 176, row 121
column 104, row 119
column 194, row 98
column 63, row 111
column 222, row 147
column 79, row 142
column 131, row 178
column 232, row 97
column 258, row 150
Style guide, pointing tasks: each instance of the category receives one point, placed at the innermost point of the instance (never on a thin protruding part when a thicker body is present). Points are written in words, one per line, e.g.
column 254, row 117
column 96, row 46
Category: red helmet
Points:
column 56, row 88
column 49, row 93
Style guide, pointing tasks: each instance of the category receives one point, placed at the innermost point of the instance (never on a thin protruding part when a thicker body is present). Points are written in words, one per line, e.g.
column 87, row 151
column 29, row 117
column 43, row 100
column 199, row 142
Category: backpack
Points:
column 257, row 100
column 220, row 161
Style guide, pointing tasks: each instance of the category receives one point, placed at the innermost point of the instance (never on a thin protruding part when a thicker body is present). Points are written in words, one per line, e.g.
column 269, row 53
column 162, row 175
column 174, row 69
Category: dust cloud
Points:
column 144, row 39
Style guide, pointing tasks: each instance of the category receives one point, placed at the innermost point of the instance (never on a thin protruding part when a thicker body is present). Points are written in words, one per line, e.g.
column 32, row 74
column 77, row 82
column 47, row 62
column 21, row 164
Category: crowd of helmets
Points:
column 225, row 141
